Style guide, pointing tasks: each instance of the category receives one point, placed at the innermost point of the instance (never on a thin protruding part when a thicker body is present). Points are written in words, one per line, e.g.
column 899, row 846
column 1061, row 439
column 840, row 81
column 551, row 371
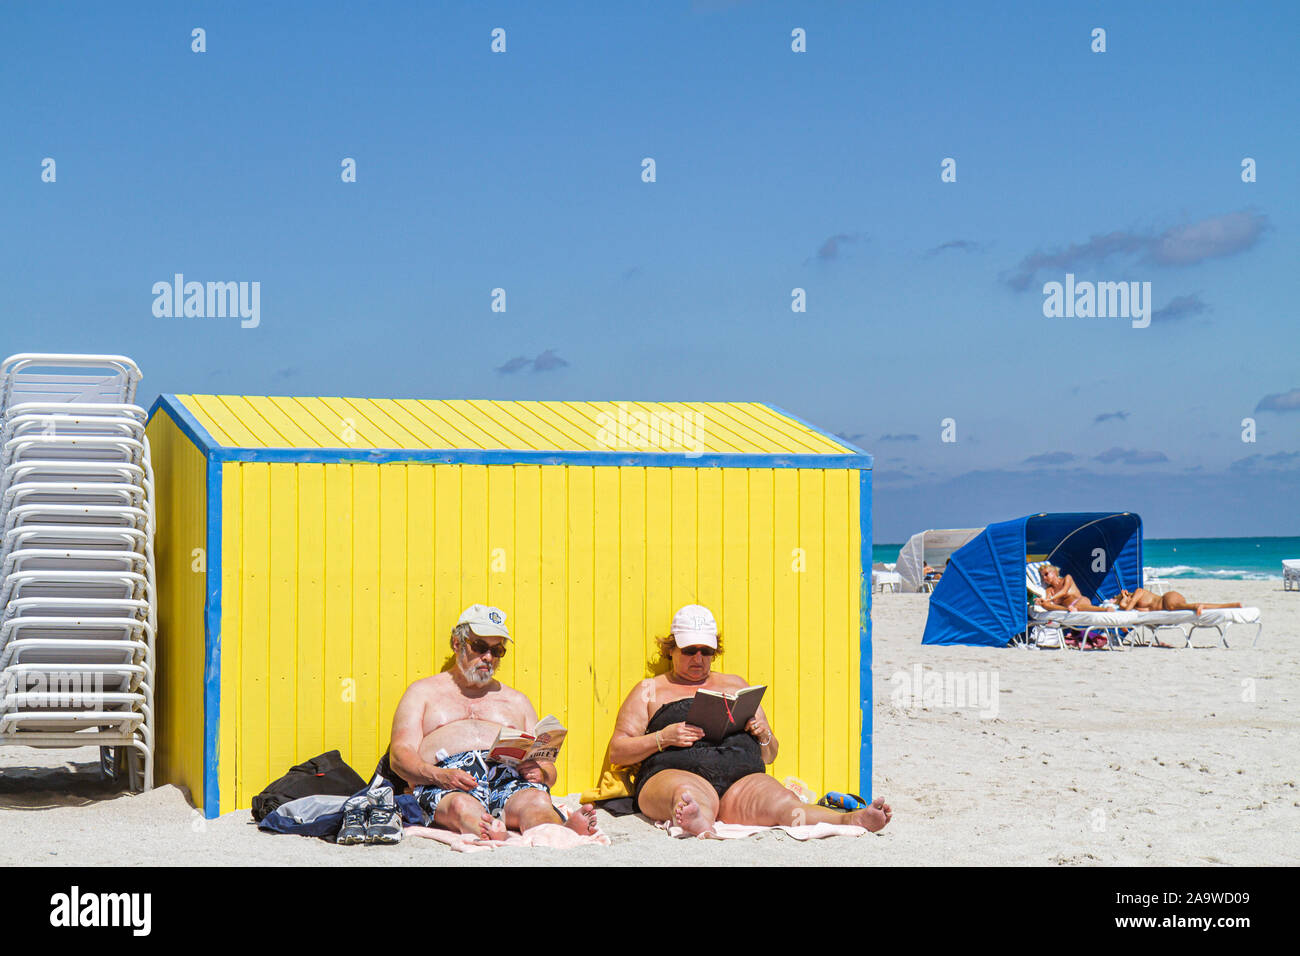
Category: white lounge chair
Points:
column 1291, row 574
column 46, row 377
column 85, row 426
column 71, row 448
column 1186, row 622
column 884, row 577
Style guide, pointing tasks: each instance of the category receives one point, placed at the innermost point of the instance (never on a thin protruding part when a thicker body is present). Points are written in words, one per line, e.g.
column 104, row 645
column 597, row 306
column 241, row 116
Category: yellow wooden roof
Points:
column 245, row 421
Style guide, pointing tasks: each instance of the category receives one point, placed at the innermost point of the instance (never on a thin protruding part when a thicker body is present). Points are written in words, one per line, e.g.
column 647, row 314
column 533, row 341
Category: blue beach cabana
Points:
column 981, row 598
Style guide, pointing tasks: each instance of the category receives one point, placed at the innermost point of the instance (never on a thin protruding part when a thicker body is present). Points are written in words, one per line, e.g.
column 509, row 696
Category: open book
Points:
column 514, row 746
column 718, row 713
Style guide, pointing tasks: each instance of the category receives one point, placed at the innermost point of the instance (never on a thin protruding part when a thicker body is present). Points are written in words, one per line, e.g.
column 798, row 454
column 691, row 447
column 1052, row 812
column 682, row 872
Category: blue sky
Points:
column 775, row 170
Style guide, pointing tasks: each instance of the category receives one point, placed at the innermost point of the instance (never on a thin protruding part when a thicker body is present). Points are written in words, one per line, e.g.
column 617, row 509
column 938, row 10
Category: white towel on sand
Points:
column 736, row 831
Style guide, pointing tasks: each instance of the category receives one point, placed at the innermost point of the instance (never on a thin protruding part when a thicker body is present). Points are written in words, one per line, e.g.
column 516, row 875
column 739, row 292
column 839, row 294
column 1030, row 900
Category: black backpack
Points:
column 326, row 774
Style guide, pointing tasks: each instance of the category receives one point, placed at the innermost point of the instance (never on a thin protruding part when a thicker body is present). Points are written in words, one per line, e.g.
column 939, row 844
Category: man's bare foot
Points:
column 689, row 815
column 873, row 817
column 582, row 820
column 490, row 828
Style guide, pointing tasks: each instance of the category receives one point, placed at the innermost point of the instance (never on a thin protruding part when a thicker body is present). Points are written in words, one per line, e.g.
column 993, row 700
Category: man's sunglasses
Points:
column 483, row 647
column 692, row 651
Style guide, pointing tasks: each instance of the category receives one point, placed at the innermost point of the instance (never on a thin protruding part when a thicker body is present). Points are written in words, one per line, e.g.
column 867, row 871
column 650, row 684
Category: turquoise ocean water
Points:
column 1249, row 559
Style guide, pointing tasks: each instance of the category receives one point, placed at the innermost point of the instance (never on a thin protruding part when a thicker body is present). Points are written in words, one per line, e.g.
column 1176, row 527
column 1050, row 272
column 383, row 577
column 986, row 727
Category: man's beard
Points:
column 472, row 675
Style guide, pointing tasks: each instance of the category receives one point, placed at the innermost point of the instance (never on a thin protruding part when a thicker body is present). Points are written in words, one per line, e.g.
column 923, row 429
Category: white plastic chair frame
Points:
column 71, row 447
column 128, row 676
column 77, row 448
column 113, row 494
column 73, row 538
column 91, row 586
column 71, row 471
column 76, row 516
column 20, row 608
column 73, row 377
column 71, row 426
column 107, row 409
column 68, row 423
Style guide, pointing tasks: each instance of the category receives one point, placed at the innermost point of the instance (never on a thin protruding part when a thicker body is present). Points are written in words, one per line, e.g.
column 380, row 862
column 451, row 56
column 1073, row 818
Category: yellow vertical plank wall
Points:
column 180, row 556
column 580, row 617
column 367, row 623
column 230, row 699
column 310, row 668
column 339, row 580
column 330, row 620
column 337, row 684
column 422, row 645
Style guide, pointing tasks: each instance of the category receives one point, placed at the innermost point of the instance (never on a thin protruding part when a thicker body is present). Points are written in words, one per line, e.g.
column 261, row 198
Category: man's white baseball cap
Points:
column 694, row 626
column 485, row 621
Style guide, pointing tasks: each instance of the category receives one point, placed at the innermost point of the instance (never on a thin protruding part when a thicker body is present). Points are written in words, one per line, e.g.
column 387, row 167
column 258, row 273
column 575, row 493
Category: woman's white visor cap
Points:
column 694, row 626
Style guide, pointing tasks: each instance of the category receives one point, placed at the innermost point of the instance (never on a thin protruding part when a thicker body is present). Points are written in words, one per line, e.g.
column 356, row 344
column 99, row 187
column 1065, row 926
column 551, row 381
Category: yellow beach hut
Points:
column 314, row 553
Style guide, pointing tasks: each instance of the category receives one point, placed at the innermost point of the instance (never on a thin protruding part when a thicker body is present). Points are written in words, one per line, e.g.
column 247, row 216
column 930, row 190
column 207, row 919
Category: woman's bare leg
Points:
column 680, row 797
column 1173, row 601
column 759, row 800
column 1083, row 604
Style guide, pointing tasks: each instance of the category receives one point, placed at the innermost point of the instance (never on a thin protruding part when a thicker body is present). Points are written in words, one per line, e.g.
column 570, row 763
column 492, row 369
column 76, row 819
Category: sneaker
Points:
column 384, row 826
column 353, row 830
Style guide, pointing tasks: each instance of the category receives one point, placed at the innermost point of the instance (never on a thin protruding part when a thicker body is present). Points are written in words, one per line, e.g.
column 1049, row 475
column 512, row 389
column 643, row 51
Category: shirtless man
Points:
column 446, row 724
column 1062, row 593
column 1144, row 600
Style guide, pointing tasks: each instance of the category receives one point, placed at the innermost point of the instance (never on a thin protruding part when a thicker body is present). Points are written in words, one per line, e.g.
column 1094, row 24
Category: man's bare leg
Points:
column 530, row 808
column 759, row 800
column 682, row 798
column 464, row 814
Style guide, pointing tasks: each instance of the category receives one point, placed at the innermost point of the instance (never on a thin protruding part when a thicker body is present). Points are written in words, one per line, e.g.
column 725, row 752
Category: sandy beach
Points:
column 1143, row 756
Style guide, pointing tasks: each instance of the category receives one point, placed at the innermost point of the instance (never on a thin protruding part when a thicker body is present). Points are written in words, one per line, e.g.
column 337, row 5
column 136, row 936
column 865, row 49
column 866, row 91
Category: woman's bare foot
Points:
column 873, row 817
column 582, row 820
column 690, row 816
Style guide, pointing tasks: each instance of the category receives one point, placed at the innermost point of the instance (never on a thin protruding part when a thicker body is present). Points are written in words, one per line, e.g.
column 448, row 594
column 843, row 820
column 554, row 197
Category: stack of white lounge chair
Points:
column 77, row 583
column 1291, row 574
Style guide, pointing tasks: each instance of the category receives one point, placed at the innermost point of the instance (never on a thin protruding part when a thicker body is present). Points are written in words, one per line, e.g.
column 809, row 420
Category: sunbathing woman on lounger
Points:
column 1144, row 600
column 1062, row 593
column 691, row 782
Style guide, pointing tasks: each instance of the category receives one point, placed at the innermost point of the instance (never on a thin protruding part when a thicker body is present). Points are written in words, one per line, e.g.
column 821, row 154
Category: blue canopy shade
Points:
column 981, row 598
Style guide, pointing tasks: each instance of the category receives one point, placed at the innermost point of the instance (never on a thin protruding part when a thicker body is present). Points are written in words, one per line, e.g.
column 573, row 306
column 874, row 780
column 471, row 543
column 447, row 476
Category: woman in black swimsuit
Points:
column 687, row 780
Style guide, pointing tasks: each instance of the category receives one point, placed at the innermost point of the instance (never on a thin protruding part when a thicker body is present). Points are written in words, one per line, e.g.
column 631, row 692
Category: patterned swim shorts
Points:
column 497, row 783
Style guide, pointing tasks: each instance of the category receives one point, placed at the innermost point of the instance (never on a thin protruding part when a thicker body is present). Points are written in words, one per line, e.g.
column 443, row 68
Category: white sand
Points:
column 1142, row 756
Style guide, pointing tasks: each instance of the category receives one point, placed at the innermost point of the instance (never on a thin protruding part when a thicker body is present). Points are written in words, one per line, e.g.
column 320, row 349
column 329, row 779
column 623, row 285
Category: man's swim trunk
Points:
column 497, row 783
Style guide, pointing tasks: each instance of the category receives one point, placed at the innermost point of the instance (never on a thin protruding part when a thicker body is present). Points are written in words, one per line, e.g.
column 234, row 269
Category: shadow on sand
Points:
column 42, row 786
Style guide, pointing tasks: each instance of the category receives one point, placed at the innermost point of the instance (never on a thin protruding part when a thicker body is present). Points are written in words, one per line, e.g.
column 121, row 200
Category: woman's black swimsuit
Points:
column 721, row 764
